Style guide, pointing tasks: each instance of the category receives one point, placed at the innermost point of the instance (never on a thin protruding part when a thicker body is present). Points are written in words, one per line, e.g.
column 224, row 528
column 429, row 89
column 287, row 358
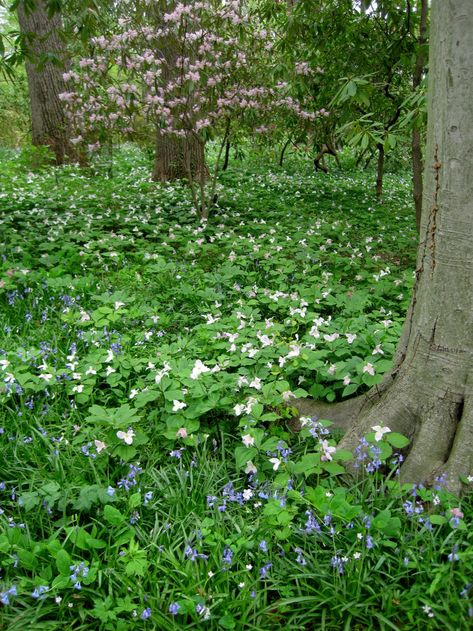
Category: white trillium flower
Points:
column 199, row 369
column 379, row 432
column 331, row 337
column 178, row 405
column 275, row 462
column 248, row 440
column 45, row 376
column 369, row 368
column 250, row 467
column 99, row 445
column 287, row 395
column 127, row 437
column 242, row 381
column 161, row 373
column 110, row 356
column 256, row 383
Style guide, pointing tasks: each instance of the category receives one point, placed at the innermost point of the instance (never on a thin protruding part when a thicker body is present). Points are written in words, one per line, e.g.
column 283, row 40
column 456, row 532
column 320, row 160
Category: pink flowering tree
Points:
column 207, row 69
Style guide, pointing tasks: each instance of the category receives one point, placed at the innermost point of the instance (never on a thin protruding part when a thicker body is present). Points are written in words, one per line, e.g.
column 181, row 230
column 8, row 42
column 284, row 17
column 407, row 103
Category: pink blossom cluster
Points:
column 205, row 63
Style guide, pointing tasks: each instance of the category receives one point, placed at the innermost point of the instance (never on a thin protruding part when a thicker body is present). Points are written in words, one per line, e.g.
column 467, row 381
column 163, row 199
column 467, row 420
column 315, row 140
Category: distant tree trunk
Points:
column 174, row 156
column 328, row 148
column 49, row 123
column 360, row 157
column 416, row 143
column 283, row 151
column 227, row 155
column 177, row 158
column 380, row 171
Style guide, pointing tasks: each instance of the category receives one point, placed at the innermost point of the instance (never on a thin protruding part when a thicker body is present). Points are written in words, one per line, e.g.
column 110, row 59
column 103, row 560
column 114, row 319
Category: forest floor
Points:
column 150, row 474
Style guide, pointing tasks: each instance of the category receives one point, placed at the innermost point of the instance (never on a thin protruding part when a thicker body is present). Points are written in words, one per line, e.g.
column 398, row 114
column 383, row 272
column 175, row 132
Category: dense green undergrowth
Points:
column 150, row 478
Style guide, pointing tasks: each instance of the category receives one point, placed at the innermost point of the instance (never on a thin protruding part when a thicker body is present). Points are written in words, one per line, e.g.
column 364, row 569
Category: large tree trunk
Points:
column 45, row 82
column 416, row 142
column 429, row 395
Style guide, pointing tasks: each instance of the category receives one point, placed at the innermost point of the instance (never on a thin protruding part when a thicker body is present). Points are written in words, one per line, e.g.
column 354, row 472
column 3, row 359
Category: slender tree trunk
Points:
column 45, row 82
column 283, row 151
column 429, row 394
column 380, row 171
column 360, row 157
column 226, row 159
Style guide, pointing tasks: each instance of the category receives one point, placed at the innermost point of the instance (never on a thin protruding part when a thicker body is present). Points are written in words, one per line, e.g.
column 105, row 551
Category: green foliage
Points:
column 150, row 477
column 14, row 112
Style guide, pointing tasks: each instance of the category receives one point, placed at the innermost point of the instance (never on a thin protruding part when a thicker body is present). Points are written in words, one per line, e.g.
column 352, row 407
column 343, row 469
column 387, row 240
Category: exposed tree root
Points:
column 437, row 422
column 342, row 414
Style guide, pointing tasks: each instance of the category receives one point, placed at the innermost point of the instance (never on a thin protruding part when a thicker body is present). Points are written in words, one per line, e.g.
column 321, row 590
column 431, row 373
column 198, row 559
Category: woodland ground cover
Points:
column 151, row 475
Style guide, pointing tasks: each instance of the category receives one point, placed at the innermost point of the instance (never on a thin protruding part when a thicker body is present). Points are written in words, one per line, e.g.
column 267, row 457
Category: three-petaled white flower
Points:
column 248, row 440
column 199, row 368
column 250, row 467
column 99, row 445
column 178, row 405
column 275, row 462
column 126, row 436
column 379, row 432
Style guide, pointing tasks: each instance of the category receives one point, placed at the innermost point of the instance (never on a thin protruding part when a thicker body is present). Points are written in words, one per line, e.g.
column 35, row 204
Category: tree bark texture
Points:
column 429, row 394
column 45, row 82
column 227, row 155
column 175, row 156
column 416, row 141
column 328, row 148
